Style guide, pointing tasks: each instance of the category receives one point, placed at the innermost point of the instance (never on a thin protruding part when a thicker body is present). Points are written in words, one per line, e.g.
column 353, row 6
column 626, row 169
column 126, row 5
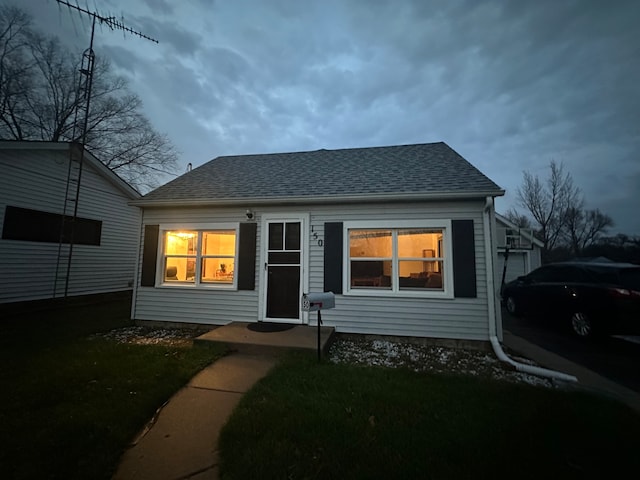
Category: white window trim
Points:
column 444, row 225
column 198, row 227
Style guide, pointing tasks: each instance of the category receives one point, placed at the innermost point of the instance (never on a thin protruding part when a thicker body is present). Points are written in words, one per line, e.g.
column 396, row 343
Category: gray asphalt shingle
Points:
column 432, row 168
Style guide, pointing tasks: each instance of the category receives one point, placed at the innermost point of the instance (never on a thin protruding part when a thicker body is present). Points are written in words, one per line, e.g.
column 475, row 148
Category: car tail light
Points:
column 623, row 292
column 620, row 292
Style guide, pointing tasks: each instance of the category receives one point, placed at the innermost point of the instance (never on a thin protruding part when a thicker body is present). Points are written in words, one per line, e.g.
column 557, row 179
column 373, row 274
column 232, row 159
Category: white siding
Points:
column 463, row 318
column 189, row 305
column 535, row 258
column 516, row 266
column 36, row 179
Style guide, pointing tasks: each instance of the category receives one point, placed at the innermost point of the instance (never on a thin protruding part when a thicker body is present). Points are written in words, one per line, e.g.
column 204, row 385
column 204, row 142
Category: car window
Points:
column 607, row 275
column 630, row 278
column 574, row 275
column 542, row 274
column 559, row 273
column 567, row 274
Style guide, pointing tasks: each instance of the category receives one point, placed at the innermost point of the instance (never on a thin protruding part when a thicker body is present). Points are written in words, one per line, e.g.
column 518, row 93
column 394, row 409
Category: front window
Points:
column 218, row 256
column 199, row 257
column 397, row 259
column 371, row 258
column 420, row 257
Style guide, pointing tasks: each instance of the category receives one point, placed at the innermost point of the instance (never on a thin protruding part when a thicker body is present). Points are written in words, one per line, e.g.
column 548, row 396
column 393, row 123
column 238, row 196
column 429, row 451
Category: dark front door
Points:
column 283, row 264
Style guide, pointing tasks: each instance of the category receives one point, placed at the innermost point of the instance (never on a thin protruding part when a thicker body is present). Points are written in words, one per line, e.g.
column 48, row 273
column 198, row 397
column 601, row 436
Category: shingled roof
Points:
column 423, row 171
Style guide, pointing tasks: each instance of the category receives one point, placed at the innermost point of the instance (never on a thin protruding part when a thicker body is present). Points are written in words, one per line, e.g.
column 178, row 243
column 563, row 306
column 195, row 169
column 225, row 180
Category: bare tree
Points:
column 547, row 201
column 40, row 95
column 583, row 228
column 518, row 219
column 15, row 69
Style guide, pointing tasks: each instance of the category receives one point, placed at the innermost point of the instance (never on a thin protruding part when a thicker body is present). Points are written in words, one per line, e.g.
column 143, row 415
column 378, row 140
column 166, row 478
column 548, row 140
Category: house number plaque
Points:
column 315, row 237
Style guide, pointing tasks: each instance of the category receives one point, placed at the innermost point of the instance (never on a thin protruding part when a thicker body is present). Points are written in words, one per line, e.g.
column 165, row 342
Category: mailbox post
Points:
column 317, row 302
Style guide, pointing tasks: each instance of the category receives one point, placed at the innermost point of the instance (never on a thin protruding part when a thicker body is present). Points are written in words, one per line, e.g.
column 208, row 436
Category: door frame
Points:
column 267, row 218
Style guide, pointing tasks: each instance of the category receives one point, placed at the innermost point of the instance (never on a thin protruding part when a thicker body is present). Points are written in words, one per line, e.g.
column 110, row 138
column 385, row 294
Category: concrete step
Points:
column 238, row 337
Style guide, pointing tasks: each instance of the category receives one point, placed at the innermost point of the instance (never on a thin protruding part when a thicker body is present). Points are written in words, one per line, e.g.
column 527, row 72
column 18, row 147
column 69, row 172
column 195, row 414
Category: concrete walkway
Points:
column 182, row 442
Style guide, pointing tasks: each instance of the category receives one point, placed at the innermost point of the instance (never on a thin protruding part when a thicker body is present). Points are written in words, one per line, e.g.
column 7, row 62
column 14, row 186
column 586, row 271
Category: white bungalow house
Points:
column 33, row 183
column 524, row 250
column 401, row 235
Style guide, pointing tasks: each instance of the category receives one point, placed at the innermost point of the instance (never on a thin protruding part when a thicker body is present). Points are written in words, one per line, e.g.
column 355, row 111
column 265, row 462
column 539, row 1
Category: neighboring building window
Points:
column 37, row 226
column 397, row 260
column 199, row 257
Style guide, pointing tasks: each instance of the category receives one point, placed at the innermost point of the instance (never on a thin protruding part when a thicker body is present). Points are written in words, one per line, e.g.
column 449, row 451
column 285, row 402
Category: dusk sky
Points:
column 510, row 85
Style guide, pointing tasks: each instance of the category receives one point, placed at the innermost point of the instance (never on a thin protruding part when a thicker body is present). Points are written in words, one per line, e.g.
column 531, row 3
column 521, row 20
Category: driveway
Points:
column 615, row 358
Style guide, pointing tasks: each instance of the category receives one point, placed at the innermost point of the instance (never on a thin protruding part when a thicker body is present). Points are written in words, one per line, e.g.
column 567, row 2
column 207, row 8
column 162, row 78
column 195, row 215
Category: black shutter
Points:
column 247, row 256
column 149, row 255
column 464, row 259
column 333, row 257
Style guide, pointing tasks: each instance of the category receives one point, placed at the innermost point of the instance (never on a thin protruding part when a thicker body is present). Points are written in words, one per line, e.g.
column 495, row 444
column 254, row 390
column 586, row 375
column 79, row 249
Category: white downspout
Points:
column 491, row 295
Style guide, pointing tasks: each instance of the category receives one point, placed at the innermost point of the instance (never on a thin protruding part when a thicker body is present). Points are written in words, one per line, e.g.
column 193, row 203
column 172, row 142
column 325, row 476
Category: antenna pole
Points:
column 76, row 155
column 112, row 22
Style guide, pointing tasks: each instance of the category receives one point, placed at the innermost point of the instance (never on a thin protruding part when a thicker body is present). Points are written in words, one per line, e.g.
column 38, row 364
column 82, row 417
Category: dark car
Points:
column 593, row 298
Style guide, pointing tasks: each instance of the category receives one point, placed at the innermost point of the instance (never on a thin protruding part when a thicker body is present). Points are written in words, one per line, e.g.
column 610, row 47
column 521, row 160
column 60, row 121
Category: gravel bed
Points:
column 427, row 358
column 173, row 337
column 383, row 353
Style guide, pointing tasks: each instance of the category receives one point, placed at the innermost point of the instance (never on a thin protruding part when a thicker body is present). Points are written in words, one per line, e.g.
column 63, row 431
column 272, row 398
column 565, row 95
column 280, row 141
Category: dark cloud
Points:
column 509, row 85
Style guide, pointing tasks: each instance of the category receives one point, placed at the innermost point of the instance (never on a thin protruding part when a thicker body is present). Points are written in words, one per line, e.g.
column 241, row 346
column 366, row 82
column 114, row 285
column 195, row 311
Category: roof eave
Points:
column 244, row 201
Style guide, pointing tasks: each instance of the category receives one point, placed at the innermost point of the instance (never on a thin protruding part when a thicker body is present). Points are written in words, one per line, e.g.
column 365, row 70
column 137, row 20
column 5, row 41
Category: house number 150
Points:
column 314, row 236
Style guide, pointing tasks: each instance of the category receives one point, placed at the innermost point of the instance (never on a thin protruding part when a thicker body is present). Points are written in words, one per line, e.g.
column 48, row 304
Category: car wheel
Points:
column 582, row 325
column 512, row 306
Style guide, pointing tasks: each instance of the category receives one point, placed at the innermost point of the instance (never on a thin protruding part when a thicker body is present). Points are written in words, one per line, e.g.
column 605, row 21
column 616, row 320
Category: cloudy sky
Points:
column 510, row 85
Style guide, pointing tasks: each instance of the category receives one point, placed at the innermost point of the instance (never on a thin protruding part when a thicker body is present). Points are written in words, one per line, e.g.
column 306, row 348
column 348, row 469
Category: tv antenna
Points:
column 79, row 138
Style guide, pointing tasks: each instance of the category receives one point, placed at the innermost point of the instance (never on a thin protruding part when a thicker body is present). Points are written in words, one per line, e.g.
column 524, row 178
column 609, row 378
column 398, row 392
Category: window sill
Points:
column 202, row 286
column 439, row 295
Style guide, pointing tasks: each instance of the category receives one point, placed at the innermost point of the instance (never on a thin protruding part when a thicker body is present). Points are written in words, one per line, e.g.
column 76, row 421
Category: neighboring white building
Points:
column 33, row 182
column 524, row 253
column 400, row 234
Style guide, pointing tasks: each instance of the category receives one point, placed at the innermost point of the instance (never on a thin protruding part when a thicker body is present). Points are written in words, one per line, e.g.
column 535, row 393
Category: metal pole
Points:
column 83, row 138
column 504, row 267
column 319, row 323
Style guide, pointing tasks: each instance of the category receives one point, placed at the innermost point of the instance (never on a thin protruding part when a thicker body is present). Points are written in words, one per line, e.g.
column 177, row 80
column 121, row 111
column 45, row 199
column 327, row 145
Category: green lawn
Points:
column 71, row 403
column 310, row 420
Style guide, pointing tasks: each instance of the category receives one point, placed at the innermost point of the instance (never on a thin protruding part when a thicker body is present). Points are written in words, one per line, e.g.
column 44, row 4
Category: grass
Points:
column 310, row 420
column 72, row 402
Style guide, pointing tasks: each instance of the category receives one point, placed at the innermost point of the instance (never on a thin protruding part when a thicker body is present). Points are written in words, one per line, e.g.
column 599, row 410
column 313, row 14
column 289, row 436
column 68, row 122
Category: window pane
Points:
column 420, row 275
column 180, row 270
column 222, row 242
column 38, row 226
column 542, row 274
column 275, row 236
column 180, row 243
column 367, row 273
column 218, row 270
column 292, row 236
column 370, row 243
column 418, row 243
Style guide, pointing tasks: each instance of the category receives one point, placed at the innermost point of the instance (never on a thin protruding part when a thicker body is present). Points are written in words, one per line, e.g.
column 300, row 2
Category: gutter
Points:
column 493, row 338
column 297, row 200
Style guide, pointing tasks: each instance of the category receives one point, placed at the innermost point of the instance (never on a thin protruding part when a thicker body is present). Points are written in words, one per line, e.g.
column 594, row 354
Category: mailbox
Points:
column 312, row 302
